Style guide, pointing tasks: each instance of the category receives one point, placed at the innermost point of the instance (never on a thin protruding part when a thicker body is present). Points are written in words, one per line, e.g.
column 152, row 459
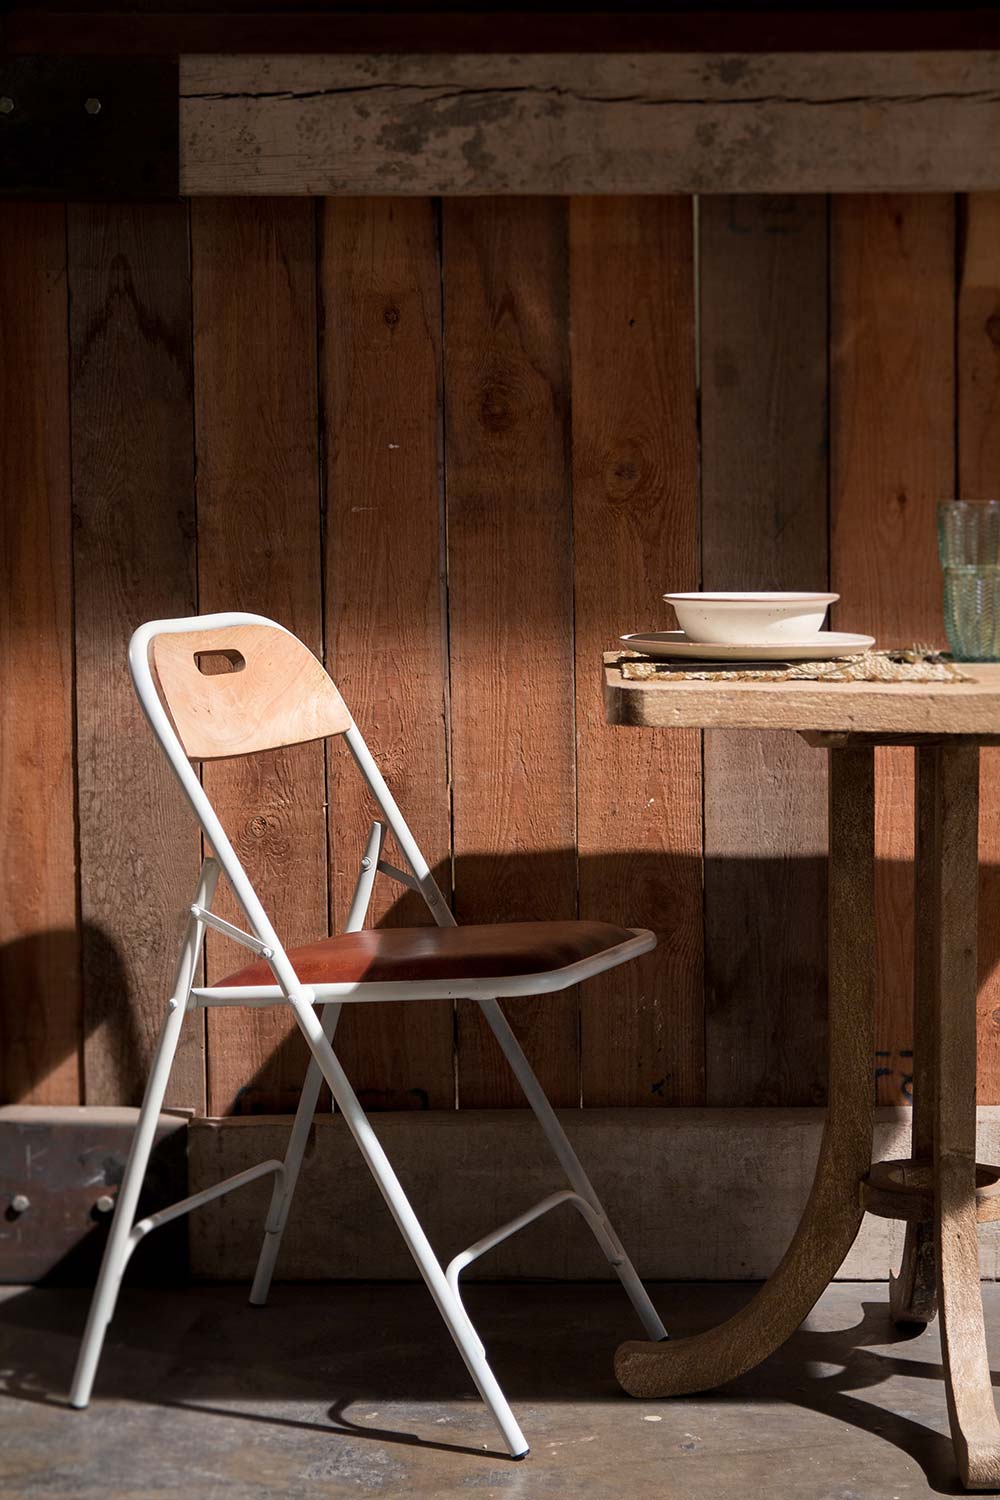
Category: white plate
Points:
column 825, row 645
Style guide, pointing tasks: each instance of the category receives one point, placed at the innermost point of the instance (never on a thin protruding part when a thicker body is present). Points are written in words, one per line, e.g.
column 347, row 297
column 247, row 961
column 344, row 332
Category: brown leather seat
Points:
column 499, row 950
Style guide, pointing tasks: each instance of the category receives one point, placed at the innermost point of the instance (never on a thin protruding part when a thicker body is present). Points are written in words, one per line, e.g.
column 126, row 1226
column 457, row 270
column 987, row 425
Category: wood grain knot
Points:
column 624, row 475
column 497, row 409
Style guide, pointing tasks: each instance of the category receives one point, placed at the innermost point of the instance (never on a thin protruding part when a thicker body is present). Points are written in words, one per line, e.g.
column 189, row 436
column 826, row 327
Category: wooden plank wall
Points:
column 40, row 990
column 510, row 589
column 386, row 602
column 458, row 446
column 892, row 340
column 764, row 406
column 635, row 505
column 259, row 528
column 133, row 526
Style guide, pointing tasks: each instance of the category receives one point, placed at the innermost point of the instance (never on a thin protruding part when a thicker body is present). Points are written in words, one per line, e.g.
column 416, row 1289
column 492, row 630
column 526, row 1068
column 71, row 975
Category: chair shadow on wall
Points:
column 42, row 1046
column 492, row 888
column 764, row 924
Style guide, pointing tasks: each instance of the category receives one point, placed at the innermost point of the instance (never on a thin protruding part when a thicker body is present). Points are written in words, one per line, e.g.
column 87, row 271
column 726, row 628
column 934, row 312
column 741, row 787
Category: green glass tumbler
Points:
column 969, row 548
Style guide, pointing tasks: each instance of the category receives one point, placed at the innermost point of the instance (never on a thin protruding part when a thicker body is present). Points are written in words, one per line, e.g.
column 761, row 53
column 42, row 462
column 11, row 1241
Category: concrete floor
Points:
column 346, row 1391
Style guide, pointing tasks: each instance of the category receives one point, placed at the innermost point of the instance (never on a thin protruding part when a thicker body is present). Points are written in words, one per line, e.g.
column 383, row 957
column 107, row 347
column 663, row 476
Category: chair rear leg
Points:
column 455, row 1318
column 116, row 1251
column 284, row 1186
column 571, row 1164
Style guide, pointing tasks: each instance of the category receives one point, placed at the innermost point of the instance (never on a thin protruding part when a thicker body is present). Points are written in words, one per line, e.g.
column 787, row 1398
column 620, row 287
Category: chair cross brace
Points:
column 202, row 914
column 398, row 875
column 142, row 1227
column 598, row 1222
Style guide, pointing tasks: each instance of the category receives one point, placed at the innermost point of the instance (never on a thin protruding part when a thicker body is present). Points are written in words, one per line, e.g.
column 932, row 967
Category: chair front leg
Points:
column 448, row 1305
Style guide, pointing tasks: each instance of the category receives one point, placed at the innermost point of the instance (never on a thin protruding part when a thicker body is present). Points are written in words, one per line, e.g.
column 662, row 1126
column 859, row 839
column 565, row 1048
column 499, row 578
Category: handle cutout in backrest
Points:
column 271, row 692
column 215, row 663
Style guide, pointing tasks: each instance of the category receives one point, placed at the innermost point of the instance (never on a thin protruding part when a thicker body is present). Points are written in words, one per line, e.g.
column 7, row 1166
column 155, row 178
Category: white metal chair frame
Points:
column 319, row 1032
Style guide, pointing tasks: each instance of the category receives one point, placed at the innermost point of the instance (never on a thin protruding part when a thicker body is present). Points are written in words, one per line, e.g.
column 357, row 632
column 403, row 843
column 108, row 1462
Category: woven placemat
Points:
column 915, row 665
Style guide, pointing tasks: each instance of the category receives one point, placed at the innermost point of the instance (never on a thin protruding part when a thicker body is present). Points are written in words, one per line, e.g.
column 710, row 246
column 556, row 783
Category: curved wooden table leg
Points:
column 948, row 781
column 833, row 1213
column 913, row 1293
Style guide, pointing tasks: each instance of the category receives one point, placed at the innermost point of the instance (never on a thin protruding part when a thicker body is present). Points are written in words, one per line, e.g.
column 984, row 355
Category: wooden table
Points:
column 940, row 1191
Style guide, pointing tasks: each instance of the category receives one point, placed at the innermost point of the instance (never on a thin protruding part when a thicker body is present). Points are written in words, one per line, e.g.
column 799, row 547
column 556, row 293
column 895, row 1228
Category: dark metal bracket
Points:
column 60, row 1170
column 88, row 127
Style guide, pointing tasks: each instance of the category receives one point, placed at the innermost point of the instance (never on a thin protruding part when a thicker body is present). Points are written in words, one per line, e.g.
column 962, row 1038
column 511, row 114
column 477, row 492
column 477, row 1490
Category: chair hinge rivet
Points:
column 20, row 1203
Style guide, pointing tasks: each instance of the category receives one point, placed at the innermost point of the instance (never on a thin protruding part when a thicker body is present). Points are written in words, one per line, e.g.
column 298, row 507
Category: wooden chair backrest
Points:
column 271, row 690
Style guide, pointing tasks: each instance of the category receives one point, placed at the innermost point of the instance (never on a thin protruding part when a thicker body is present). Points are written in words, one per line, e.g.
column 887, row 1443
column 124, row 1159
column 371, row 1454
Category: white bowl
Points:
column 754, row 619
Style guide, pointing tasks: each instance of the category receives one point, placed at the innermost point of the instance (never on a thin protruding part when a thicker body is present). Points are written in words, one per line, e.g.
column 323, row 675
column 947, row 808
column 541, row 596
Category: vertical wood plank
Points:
column 892, row 459
column 979, row 479
column 133, row 504
column 511, row 607
column 635, row 505
column 385, row 624
column 40, row 1007
column 254, row 277
column 764, row 289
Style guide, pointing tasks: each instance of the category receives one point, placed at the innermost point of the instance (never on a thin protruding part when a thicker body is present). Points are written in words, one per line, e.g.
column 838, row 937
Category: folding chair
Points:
column 277, row 693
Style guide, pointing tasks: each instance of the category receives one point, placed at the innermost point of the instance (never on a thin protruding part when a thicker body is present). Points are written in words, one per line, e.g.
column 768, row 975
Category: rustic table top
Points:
column 875, row 708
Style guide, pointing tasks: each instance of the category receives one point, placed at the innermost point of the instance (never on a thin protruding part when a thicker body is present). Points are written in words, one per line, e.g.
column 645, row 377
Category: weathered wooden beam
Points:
column 561, row 123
